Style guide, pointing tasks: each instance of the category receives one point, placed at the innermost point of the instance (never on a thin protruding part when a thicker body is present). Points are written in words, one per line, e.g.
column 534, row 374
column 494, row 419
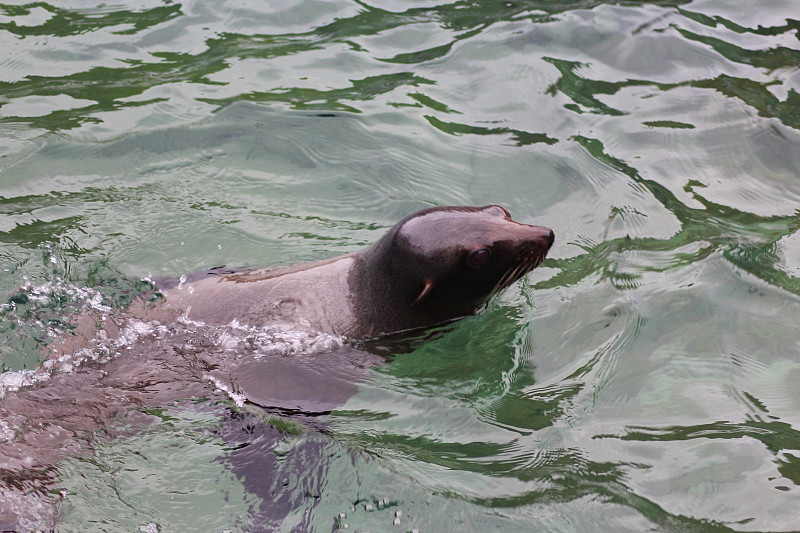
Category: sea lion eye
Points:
column 479, row 258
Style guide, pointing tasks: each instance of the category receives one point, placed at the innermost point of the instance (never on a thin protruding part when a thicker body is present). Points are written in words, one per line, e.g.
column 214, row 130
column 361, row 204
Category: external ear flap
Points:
column 425, row 290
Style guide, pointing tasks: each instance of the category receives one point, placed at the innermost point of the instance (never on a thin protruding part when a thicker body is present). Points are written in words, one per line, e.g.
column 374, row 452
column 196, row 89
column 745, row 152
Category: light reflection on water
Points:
column 642, row 378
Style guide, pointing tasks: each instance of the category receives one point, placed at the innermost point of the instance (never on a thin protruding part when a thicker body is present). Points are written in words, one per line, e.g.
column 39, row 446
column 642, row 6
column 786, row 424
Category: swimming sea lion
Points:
column 436, row 265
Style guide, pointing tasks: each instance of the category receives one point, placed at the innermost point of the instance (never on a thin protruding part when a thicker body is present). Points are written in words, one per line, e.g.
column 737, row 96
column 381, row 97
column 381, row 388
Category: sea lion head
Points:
column 444, row 263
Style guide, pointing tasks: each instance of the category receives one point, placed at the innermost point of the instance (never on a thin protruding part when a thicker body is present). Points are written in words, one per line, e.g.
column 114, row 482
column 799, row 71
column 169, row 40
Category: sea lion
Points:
column 434, row 266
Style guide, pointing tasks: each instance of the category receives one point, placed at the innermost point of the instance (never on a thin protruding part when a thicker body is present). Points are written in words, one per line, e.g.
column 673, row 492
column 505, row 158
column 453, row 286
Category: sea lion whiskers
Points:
column 530, row 260
column 504, row 280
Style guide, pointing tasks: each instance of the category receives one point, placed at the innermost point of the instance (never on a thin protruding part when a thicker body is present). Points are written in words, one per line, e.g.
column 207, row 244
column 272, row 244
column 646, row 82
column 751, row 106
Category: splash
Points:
column 75, row 324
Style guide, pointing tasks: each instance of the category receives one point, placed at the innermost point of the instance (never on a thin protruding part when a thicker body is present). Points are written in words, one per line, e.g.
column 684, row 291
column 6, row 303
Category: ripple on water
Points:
column 658, row 141
column 121, row 475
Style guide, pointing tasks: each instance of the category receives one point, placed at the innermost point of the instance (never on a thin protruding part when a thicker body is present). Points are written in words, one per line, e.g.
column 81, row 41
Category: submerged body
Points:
column 436, row 265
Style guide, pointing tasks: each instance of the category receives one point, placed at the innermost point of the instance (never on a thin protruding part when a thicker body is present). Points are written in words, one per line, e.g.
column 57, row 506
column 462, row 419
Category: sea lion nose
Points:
column 550, row 237
column 542, row 233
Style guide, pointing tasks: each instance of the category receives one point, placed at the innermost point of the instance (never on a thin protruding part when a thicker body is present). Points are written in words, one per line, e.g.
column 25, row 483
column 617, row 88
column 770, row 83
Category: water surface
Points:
column 643, row 378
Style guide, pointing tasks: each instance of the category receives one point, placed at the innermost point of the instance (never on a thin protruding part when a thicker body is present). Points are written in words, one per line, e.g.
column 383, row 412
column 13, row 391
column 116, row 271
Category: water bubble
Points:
column 339, row 521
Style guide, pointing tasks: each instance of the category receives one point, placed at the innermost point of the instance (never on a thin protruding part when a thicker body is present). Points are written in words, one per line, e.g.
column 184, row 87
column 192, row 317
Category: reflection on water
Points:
column 641, row 379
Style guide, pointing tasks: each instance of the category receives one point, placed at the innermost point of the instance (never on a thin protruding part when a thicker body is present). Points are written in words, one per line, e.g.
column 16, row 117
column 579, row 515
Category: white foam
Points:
column 282, row 339
column 274, row 340
column 78, row 300
column 100, row 348
column 7, row 434
column 238, row 399
column 14, row 381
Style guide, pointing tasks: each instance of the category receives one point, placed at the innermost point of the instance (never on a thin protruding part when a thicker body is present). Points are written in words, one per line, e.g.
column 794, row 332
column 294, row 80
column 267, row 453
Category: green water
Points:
column 642, row 379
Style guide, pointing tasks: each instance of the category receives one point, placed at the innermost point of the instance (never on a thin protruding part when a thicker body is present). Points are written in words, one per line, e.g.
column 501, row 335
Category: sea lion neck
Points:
column 383, row 287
